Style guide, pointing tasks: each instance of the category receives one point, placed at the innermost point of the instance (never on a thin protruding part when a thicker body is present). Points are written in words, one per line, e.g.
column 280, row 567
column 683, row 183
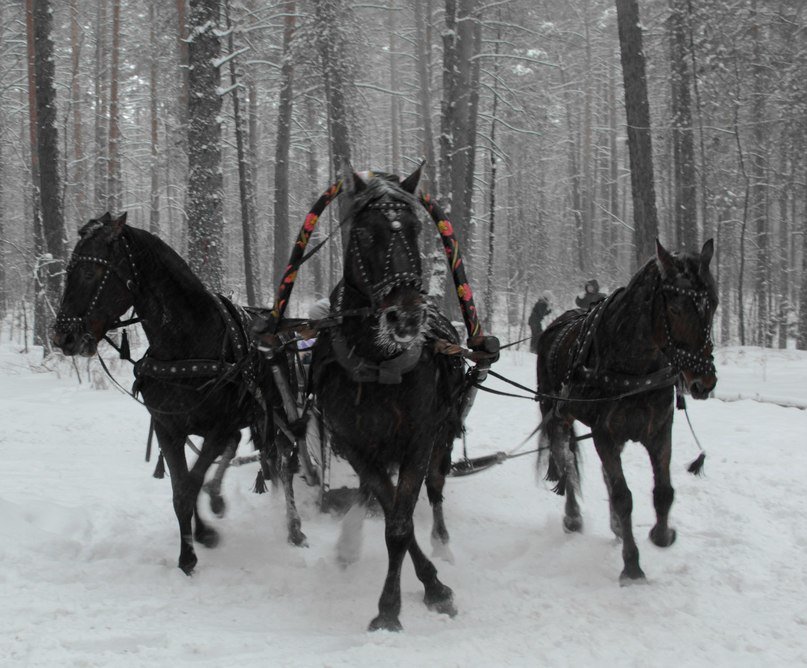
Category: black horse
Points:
column 388, row 398
column 617, row 364
column 201, row 374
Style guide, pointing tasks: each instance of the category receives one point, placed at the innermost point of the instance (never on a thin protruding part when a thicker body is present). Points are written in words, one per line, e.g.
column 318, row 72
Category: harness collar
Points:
column 387, row 372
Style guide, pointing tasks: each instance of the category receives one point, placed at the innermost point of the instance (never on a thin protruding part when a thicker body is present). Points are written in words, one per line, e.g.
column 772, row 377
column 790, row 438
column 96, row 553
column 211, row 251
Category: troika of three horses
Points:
column 390, row 381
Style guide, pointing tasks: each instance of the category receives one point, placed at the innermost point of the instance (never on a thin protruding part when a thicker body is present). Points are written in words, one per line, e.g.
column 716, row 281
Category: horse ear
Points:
column 106, row 218
column 352, row 181
column 664, row 261
column 115, row 226
column 410, row 183
column 707, row 252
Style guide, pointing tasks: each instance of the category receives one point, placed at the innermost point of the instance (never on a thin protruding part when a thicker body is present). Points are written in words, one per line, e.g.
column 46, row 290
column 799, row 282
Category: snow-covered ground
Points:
column 88, row 547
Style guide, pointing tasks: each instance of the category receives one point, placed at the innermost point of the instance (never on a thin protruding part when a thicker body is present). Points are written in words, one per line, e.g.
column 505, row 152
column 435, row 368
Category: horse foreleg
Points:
column 399, row 505
column 173, row 451
column 622, row 503
column 439, row 466
column 211, row 448
column 663, row 493
column 293, row 523
column 616, row 527
column 213, row 486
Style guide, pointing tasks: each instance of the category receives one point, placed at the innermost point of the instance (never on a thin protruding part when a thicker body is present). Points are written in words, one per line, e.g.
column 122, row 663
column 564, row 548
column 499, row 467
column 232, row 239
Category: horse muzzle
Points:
column 73, row 342
column 700, row 387
column 403, row 325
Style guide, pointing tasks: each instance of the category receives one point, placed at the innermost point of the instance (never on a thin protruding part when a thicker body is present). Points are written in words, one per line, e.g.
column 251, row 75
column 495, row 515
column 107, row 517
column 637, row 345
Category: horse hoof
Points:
column 385, row 623
column 662, row 539
column 297, row 538
column 631, row 577
column 208, row 537
column 573, row 524
column 217, row 505
column 188, row 565
column 441, row 600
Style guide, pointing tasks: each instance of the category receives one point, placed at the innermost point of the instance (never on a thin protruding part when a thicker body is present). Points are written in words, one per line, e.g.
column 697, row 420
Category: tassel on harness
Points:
column 125, row 353
column 260, row 483
column 159, row 470
column 696, row 465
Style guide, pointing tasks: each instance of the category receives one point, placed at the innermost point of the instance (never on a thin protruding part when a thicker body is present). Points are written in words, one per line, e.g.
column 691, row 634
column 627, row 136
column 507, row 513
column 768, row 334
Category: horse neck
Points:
column 629, row 334
column 179, row 315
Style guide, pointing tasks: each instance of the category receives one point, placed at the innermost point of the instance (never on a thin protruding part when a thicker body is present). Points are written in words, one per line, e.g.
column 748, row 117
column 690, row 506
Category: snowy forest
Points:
column 216, row 124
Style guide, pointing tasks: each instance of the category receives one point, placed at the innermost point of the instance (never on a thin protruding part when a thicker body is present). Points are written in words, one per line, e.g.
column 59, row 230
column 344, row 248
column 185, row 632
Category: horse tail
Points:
column 547, row 453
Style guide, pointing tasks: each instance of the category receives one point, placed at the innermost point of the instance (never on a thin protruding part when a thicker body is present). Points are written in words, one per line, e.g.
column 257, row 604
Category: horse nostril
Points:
column 392, row 317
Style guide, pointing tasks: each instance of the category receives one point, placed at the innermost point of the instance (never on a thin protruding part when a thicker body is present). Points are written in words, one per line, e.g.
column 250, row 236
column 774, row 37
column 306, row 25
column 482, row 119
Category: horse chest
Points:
column 387, row 420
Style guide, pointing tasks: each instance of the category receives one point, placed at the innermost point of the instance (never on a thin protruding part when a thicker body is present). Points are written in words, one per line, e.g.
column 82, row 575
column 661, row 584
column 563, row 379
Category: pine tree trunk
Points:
column 685, row 199
column 758, row 208
column 330, row 15
column 640, row 145
column 574, row 179
column 79, row 177
column 204, row 194
column 395, row 103
column 154, row 195
column 422, row 58
column 113, row 165
column 183, row 58
column 314, row 186
column 801, row 340
column 490, row 285
column 245, row 187
column 588, row 197
column 461, row 42
column 100, row 91
column 50, row 183
column 613, row 170
column 282, row 227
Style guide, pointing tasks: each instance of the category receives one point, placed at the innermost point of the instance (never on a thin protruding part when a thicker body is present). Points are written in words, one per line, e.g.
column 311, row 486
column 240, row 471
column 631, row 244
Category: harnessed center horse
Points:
column 388, row 372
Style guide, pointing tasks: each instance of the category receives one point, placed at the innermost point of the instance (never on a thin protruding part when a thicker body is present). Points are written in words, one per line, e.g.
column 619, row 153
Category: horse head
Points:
column 99, row 285
column 382, row 257
column 689, row 300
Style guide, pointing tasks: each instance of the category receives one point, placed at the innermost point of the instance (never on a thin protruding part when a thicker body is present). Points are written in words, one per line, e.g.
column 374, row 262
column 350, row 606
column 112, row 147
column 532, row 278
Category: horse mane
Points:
column 156, row 253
